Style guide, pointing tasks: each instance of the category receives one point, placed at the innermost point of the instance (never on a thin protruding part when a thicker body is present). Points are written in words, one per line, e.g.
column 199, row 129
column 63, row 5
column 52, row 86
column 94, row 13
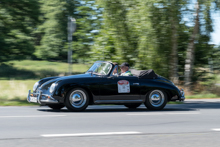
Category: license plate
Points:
column 33, row 99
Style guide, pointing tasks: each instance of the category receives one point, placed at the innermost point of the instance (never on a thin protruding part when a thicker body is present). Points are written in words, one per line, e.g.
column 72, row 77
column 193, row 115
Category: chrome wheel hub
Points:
column 156, row 98
column 77, row 98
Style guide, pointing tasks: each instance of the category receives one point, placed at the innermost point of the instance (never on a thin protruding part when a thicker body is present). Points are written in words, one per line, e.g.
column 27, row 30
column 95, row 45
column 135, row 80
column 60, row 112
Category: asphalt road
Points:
column 194, row 123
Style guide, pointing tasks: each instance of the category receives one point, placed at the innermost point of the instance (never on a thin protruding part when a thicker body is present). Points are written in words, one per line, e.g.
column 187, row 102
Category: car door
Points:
column 122, row 89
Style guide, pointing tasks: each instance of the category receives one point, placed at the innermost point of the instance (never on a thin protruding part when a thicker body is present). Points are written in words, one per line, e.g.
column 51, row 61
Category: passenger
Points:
column 115, row 72
column 125, row 69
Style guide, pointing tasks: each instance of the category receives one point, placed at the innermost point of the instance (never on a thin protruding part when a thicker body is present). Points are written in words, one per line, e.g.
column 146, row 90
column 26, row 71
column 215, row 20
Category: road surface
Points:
column 194, row 123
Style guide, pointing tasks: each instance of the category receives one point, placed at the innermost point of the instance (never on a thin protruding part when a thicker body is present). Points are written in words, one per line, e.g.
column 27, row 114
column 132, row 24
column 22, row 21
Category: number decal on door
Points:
column 123, row 86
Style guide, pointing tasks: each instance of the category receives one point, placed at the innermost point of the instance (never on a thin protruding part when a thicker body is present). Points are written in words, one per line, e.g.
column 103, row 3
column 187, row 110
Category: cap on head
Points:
column 124, row 64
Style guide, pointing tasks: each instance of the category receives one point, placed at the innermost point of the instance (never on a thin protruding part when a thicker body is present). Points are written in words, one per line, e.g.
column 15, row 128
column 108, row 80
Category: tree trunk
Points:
column 174, row 56
column 189, row 62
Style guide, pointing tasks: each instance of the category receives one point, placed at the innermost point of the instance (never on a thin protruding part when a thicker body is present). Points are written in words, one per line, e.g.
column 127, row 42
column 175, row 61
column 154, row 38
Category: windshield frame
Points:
column 111, row 66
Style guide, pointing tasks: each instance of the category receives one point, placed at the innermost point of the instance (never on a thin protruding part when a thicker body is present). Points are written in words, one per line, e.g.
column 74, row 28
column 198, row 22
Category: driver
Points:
column 115, row 72
column 125, row 69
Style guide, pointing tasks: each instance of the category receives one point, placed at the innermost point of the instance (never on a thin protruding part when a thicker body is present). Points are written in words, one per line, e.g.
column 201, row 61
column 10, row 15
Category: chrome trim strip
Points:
column 135, row 83
column 117, row 101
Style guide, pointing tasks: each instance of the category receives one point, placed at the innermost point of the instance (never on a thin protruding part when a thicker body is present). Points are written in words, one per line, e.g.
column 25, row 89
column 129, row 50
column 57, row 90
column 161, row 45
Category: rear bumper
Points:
column 181, row 96
column 40, row 98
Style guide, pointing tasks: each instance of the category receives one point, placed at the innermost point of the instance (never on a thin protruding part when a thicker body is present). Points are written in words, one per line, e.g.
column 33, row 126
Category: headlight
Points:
column 52, row 87
column 35, row 86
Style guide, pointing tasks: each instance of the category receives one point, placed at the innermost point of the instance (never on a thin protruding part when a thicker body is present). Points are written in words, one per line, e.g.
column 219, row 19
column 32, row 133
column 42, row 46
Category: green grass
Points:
column 16, row 102
column 11, row 89
column 14, row 92
column 17, row 77
column 202, row 96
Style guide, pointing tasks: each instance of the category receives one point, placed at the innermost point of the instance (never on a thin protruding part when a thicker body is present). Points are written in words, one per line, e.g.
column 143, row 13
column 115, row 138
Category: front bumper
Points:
column 182, row 96
column 40, row 98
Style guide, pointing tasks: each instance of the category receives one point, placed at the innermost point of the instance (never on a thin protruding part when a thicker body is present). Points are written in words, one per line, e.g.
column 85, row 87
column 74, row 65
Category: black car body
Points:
column 99, row 86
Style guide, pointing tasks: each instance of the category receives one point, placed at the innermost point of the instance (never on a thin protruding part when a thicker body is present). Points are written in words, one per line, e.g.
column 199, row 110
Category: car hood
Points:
column 46, row 85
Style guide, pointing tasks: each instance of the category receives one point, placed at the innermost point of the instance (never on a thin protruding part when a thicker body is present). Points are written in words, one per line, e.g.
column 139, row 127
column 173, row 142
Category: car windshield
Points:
column 100, row 68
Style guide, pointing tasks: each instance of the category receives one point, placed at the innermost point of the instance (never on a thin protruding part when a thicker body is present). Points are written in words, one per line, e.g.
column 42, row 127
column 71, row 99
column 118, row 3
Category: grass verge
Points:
column 202, row 96
column 16, row 102
column 17, row 77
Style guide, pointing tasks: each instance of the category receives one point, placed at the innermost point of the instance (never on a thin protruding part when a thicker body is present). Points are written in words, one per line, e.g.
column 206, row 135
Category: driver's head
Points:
column 115, row 70
column 124, row 67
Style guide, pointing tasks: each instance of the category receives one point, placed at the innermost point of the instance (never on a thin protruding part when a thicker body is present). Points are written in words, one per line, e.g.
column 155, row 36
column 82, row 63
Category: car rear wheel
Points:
column 132, row 106
column 77, row 100
column 156, row 100
column 56, row 106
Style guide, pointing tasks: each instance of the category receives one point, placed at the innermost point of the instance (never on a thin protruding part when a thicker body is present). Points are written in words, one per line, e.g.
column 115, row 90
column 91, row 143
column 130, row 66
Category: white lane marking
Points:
column 217, row 129
column 165, row 113
column 89, row 134
column 32, row 116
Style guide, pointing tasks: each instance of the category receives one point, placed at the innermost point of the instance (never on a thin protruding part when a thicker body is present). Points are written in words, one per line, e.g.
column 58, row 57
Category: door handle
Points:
column 135, row 83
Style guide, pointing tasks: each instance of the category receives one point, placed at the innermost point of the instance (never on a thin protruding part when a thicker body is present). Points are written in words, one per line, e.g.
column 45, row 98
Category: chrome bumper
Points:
column 40, row 98
column 182, row 97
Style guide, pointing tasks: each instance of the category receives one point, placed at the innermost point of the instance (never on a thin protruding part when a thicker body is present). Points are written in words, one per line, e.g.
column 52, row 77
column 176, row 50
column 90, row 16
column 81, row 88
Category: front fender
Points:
column 46, row 79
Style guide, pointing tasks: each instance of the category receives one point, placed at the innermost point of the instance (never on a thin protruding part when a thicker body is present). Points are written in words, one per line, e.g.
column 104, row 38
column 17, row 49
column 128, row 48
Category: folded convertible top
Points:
column 144, row 74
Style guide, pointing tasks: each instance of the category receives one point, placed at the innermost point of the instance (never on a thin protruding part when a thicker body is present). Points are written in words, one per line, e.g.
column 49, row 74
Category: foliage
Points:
column 140, row 32
column 143, row 33
column 52, row 32
column 18, row 19
column 214, row 61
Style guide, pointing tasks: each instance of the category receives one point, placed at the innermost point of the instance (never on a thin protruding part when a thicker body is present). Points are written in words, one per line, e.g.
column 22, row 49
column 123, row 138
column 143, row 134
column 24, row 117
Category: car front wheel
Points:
column 77, row 100
column 156, row 100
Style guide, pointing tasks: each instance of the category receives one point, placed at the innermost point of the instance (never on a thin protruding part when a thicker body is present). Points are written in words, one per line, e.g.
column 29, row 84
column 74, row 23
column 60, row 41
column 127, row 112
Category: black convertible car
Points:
column 99, row 86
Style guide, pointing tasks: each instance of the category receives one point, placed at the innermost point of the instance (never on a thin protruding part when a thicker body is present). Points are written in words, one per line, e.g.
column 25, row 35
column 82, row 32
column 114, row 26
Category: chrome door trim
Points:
column 117, row 101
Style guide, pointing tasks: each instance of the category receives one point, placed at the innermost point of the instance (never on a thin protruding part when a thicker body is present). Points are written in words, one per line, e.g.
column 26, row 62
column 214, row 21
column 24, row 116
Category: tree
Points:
column 166, row 18
column 190, row 49
column 201, row 29
column 53, row 29
column 154, row 34
column 142, row 34
column 127, row 33
column 17, row 22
